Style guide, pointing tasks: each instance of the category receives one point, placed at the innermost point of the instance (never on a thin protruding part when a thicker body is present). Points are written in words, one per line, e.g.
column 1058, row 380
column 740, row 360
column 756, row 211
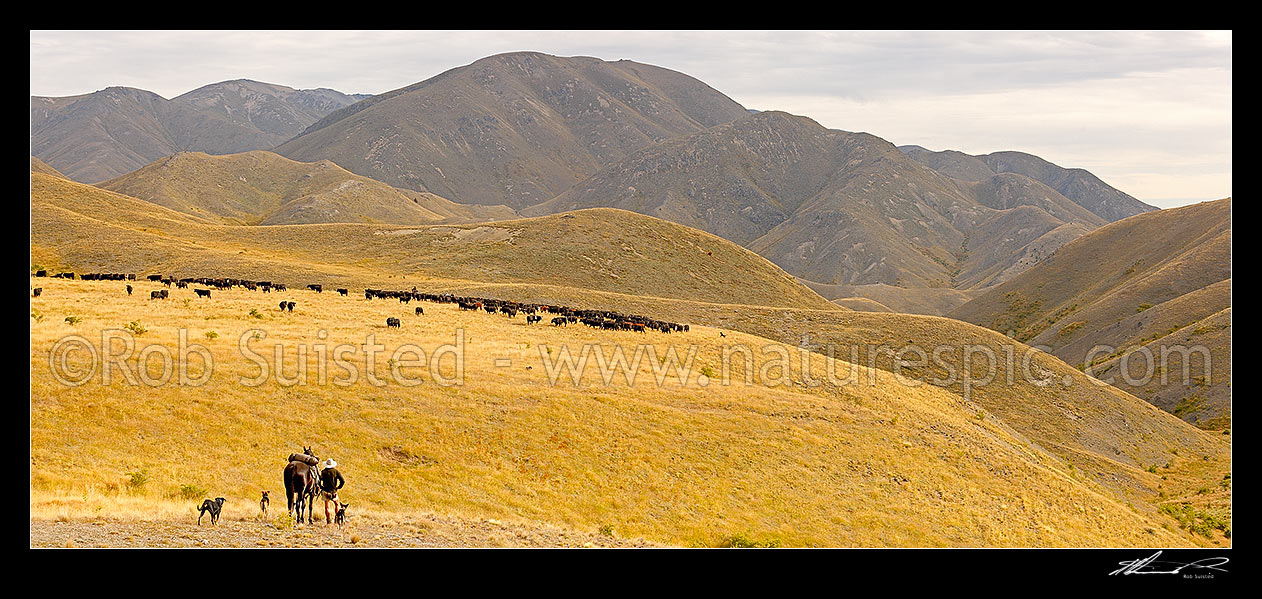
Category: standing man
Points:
column 330, row 481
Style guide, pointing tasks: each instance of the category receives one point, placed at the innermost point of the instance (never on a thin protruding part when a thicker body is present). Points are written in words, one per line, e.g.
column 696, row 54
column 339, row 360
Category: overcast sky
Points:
column 1148, row 112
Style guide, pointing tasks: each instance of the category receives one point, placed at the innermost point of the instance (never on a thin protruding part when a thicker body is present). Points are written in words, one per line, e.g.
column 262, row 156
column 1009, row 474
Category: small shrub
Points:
column 1142, row 307
column 744, row 541
column 211, row 335
column 283, row 521
column 37, row 315
column 73, row 320
column 137, row 479
column 254, row 313
column 136, row 328
column 192, row 491
column 707, row 371
column 607, row 530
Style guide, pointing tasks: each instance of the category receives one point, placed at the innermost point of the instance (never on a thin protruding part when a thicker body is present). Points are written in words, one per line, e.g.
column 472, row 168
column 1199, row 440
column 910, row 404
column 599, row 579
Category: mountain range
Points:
column 101, row 135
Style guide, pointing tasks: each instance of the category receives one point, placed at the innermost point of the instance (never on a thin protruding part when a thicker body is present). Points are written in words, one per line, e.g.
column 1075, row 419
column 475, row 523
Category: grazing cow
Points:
column 393, row 322
column 160, row 294
column 560, row 321
column 202, row 292
column 155, row 277
column 41, row 273
column 282, row 306
column 316, row 288
column 532, row 318
column 420, row 311
column 129, row 290
column 342, row 292
column 37, row 291
column 290, row 306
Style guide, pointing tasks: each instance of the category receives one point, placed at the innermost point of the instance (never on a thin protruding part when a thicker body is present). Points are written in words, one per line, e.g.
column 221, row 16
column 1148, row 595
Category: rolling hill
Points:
column 98, row 136
column 1139, row 281
column 624, row 261
column 602, row 250
column 263, row 188
column 677, row 462
column 513, row 129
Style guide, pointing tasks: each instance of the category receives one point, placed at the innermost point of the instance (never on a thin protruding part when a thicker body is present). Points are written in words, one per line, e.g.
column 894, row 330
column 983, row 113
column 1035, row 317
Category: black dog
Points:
column 263, row 503
column 340, row 518
column 210, row 506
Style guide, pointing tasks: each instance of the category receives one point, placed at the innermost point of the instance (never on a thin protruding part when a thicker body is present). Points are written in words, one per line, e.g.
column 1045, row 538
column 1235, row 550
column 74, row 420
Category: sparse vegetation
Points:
column 137, row 479
column 136, row 328
column 191, row 491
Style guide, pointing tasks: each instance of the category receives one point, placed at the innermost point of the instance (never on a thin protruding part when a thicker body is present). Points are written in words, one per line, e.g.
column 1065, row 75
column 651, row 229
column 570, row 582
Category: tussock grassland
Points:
column 264, row 188
column 675, row 463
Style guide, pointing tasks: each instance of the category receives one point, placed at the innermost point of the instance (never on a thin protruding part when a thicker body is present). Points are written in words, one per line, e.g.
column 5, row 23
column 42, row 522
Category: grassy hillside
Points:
column 1135, row 281
column 39, row 166
column 619, row 260
column 604, row 250
column 932, row 301
column 677, row 462
column 268, row 189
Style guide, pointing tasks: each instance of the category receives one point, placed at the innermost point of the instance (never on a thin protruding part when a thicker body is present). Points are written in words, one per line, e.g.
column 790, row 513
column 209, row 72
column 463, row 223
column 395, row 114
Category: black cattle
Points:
column 531, row 318
column 393, row 322
column 155, row 277
column 560, row 321
column 160, row 294
column 316, row 288
column 202, row 292
column 41, row 273
column 129, row 290
column 37, row 291
column 420, row 310
column 342, row 292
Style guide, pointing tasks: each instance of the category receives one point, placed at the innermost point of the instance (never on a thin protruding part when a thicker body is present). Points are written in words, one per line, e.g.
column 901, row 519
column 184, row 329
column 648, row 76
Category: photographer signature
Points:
column 1150, row 565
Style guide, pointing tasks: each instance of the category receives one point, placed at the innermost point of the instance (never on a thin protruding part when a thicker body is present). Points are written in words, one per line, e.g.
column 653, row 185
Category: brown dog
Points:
column 263, row 503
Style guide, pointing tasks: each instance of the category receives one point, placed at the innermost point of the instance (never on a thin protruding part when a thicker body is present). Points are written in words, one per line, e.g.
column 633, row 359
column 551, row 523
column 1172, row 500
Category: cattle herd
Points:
column 562, row 315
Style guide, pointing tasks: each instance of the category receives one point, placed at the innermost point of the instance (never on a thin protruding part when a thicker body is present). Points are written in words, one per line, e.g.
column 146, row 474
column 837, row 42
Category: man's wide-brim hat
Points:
column 329, row 463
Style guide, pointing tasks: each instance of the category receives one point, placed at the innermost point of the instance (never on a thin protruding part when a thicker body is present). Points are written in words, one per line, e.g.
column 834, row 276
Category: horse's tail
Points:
column 289, row 488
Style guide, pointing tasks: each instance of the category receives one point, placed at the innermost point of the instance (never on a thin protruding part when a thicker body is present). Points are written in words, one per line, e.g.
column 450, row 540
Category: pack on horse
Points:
column 302, row 483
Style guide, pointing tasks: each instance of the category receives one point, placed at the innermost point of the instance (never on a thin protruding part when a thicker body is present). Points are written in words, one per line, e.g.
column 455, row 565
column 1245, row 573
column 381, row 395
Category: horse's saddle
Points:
column 309, row 460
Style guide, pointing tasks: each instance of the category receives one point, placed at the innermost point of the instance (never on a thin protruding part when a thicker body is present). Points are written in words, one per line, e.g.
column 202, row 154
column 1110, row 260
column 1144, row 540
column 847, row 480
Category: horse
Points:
column 301, row 485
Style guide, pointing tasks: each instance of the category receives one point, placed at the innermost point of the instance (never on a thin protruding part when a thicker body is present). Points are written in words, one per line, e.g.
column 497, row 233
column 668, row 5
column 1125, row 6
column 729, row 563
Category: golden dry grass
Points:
column 856, row 465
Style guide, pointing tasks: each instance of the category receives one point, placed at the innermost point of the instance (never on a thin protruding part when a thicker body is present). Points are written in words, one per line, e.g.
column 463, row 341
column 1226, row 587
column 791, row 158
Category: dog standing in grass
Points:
column 263, row 503
column 340, row 519
column 212, row 506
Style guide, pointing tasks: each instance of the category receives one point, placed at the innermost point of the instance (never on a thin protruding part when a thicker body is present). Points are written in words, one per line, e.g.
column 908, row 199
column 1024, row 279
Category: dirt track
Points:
column 418, row 531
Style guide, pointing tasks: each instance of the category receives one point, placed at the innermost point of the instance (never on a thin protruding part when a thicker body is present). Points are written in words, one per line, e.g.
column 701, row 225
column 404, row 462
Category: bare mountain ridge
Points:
column 98, row 136
column 1077, row 184
column 837, row 208
column 514, row 129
